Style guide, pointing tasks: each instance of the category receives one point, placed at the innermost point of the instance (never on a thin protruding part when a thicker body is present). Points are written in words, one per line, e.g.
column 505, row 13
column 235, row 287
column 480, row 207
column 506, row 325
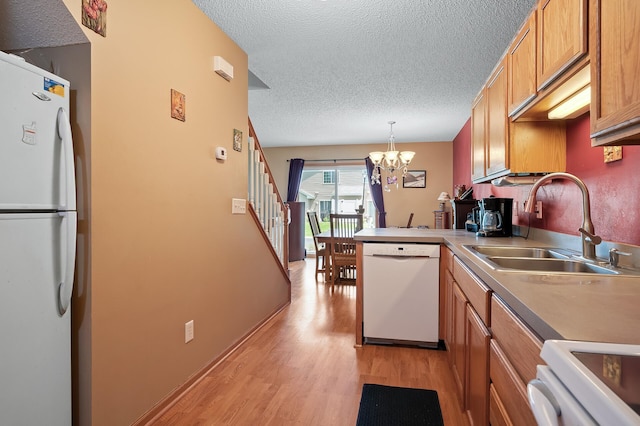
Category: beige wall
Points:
column 434, row 157
column 159, row 244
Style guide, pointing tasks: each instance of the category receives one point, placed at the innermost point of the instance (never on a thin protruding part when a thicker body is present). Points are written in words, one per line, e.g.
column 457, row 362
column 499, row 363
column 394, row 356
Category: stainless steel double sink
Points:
column 538, row 259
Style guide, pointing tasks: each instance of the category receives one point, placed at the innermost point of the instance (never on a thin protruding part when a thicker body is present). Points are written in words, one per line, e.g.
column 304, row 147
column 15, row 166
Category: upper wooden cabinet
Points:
column 548, row 59
column 521, row 58
column 500, row 147
column 615, row 59
column 562, row 32
column 496, row 137
column 478, row 131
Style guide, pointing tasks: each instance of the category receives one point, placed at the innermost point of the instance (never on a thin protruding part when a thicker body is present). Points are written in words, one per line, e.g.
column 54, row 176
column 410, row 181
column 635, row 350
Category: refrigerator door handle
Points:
column 65, row 288
column 64, row 131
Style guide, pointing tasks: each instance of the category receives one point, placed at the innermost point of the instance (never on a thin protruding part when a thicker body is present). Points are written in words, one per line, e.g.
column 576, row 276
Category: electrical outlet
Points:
column 188, row 331
column 238, row 206
column 539, row 209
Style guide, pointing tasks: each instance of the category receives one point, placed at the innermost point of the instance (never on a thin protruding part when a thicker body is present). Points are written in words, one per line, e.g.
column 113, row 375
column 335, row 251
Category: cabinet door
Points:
column 477, row 391
column 498, row 415
column 497, row 135
column 509, row 403
column 446, row 292
column 478, row 133
column 459, row 325
column 448, row 327
column 615, row 67
column 562, row 28
column 522, row 66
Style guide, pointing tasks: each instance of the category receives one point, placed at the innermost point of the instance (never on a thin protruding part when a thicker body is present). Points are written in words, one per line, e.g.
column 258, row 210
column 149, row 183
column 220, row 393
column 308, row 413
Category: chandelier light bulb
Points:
column 407, row 156
column 376, row 157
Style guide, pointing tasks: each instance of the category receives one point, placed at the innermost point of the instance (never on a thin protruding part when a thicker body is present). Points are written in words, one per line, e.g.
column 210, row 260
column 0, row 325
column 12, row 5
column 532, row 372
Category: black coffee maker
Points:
column 495, row 217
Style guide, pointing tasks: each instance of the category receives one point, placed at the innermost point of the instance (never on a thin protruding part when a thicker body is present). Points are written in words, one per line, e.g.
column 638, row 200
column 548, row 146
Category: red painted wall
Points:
column 613, row 187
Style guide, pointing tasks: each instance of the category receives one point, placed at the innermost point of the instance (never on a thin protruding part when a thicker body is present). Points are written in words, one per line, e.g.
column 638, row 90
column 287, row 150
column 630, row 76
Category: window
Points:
column 325, row 210
column 340, row 190
column 329, row 177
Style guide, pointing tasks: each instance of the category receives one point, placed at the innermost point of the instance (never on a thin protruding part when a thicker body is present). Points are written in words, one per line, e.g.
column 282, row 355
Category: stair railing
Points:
column 265, row 203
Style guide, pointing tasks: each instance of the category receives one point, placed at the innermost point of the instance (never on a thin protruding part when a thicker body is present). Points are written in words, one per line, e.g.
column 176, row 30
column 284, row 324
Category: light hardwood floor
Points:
column 302, row 368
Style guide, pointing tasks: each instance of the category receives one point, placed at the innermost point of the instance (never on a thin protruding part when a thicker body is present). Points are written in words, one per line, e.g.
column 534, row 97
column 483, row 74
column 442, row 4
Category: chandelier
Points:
column 391, row 161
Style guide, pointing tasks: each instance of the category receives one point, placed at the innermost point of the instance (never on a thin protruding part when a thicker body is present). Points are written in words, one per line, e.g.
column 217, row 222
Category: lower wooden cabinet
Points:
column 492, row 353
column 497, row 412
column 521, row 346
column 446, row 260
column 509, row 404
column 467, row 339
column 477, row 343
column 458, row 343
column 447, row 317
column 514, row 356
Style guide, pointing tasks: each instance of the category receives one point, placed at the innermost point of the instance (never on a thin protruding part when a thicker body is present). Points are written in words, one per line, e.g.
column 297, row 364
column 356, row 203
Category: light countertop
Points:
column 599, row 308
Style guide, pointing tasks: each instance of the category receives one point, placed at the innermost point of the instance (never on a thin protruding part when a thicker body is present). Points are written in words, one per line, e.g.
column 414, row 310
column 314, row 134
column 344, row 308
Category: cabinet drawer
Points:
column 446, row 257
column 519, row 344
column 509, row 392
column 478, row 294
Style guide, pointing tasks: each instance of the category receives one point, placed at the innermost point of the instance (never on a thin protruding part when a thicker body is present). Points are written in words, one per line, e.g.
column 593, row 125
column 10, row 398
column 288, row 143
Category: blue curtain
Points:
column 295, row 176
column 376, row 194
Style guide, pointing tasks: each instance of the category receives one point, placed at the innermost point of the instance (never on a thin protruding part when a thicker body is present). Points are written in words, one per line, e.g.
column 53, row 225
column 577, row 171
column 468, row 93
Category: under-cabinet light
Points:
column 575, row 103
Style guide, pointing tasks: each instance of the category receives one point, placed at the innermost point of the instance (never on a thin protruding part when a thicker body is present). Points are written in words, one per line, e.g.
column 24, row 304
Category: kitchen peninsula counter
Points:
column 590, row 307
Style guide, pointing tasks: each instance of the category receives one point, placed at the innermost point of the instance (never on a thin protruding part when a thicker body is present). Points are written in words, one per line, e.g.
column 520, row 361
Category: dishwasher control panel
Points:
column 405, row 250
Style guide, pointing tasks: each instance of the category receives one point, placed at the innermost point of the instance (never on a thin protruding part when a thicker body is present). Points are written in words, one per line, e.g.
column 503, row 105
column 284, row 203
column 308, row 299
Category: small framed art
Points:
column 178, row 106
column 237, row 140
column 94, row 16
column 415, row 179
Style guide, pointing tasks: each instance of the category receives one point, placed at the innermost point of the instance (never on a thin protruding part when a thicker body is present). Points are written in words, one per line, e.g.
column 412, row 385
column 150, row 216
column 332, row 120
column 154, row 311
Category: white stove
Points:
column 587, row 383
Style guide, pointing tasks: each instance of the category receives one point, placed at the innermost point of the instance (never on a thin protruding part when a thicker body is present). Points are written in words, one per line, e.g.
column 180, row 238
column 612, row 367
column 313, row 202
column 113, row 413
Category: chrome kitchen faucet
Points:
column 589, row 238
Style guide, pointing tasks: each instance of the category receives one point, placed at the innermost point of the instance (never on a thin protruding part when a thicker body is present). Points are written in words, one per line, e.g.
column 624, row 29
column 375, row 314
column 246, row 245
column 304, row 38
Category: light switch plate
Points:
column 188, row 331
column 238, row 206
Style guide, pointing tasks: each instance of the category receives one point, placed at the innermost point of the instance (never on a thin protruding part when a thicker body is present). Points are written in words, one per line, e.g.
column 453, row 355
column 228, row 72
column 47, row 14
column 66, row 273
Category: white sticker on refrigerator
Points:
column 53, row 86
column 29, row 133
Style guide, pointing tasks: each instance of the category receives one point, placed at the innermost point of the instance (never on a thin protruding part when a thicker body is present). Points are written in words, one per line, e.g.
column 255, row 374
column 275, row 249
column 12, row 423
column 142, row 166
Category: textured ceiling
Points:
column 339, row 70
column 36, row 24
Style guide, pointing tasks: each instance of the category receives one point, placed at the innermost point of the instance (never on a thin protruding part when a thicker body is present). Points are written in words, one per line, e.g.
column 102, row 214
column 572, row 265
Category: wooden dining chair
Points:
column 343, row 246
column 321, row 250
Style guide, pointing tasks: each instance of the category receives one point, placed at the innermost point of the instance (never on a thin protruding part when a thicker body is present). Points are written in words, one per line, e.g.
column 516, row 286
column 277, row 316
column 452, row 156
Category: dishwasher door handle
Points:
column 404, row 256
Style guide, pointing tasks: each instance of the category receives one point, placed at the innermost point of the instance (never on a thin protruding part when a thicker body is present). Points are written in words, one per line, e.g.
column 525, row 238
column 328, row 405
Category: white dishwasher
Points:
column 401, row 293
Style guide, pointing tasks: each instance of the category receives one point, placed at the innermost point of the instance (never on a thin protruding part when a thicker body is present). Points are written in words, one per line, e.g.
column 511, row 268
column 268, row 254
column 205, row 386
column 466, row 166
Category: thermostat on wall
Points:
column 221, row 153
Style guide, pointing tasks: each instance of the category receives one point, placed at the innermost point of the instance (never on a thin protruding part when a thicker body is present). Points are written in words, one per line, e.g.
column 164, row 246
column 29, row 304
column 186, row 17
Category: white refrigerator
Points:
column 38, row 224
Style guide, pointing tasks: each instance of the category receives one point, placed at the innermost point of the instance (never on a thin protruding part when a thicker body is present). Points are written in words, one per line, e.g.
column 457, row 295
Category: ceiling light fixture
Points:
column 391, row 160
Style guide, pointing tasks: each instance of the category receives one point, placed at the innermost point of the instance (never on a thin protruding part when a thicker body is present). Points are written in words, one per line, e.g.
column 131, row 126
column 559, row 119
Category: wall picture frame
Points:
column 237, row 140
column 94, row 16
column 415, row 179
column 178, row 105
